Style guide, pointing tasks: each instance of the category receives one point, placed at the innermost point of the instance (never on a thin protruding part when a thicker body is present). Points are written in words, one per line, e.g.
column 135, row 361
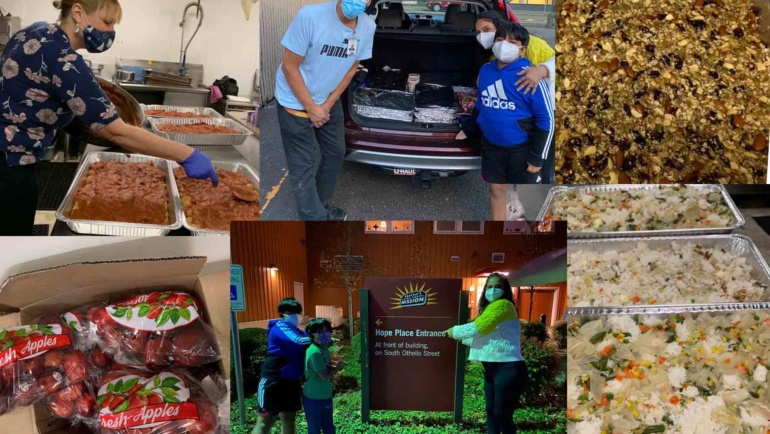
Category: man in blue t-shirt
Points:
column 322, row 49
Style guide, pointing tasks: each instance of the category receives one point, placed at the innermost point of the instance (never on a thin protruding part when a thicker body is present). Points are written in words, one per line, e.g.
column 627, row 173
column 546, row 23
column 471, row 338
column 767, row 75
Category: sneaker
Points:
column 336, row 214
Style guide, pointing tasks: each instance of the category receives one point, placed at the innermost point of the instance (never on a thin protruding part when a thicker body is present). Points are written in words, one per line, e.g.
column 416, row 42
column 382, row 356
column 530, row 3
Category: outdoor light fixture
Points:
column 273, row 267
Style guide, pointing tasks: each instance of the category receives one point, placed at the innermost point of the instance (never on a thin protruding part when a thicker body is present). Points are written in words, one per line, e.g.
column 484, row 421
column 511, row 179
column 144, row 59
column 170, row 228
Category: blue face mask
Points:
column 96, row 40
column 324, row 338
column 353, row 8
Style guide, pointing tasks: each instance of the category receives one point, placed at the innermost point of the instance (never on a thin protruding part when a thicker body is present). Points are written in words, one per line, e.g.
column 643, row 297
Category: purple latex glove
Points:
column 198, row 166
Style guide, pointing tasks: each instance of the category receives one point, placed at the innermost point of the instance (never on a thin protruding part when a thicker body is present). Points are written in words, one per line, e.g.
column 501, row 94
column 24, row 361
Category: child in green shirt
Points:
column 317, row 391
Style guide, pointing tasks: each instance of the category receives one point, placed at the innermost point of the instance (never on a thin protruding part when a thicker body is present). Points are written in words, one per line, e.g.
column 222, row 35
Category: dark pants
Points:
column 314, row 157
column 507, row 165
column 320, row 415
column 549, row 165
column 503, row 385
column 18, row 196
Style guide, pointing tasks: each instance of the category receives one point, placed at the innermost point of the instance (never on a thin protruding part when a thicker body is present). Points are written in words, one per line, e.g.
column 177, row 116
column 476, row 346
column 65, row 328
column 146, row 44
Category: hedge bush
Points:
column 560, row 334
column 535, row 330
column 253, row 354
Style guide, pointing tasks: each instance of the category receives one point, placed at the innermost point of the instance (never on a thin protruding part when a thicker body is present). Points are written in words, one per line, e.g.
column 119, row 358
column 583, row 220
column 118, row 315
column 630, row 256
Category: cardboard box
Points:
column 26, row 296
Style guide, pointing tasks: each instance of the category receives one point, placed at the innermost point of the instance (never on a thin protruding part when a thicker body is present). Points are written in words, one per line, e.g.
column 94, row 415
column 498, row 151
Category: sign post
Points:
column 237, row 304
column 404, row 350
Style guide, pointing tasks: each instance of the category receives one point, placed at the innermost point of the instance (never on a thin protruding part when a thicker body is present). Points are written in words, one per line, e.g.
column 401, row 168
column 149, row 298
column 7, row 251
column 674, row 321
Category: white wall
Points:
column 227, row 44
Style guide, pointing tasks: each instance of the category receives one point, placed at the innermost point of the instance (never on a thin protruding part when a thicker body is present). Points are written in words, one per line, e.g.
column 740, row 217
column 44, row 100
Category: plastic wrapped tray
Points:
column 208, row 111
column 738, row 245
column 93, row 227
column 203, row 139
column 242, row 168
column 555, row 192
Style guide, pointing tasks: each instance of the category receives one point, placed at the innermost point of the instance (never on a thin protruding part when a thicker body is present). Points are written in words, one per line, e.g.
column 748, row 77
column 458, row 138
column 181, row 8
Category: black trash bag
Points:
column 389, row 80
column 228, row 86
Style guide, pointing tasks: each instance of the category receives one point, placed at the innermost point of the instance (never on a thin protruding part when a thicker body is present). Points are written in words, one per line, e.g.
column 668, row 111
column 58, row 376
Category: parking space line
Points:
column 274, row 192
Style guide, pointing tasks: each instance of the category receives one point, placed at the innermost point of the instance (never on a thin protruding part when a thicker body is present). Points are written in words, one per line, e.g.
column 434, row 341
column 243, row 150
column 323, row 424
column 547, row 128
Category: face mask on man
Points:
column 96, row 40
column 292, row 319
column 493, row 294
column 353, row 8
column 505, row 51
column 486, row 39
column 323, row 338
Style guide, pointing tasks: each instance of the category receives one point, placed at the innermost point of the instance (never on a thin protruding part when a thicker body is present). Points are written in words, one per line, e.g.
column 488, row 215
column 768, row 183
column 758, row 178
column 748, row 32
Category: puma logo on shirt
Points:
column 494, row 97
column 332, row 51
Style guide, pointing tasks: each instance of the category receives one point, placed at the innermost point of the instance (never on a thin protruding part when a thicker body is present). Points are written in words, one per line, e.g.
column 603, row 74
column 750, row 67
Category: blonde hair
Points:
column 108, row 8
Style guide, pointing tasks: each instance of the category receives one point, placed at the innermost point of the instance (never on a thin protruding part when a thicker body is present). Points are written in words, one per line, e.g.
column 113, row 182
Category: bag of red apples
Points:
column 166, row 402
column 158, row 330
column 37, row 361
column 94, row 365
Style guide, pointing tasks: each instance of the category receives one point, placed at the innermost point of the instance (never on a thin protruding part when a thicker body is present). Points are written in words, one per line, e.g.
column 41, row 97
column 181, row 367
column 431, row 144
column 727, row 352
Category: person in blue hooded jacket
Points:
column 517, row 125
column 280, row 388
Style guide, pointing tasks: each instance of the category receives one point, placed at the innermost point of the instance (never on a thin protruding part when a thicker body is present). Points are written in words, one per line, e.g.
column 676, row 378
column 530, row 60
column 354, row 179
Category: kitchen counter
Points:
column 136, row 87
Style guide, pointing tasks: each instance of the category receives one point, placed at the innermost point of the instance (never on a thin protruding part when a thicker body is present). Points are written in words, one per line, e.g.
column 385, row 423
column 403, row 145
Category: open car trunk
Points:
column 441, row 59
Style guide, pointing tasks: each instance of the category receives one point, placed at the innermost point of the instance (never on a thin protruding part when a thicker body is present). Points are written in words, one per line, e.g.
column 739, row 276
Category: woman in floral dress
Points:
column 44, row 85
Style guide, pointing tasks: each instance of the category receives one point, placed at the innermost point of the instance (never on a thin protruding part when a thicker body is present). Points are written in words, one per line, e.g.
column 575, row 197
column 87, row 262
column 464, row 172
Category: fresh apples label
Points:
column 138, row 402
column 156, row 311
column 26, row 342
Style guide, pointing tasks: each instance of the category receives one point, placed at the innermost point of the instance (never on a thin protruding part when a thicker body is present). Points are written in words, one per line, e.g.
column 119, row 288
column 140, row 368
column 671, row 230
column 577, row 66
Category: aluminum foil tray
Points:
column 738, row 245
column 242, row 168
column 91, row 227
column 555, row 192
column 203, row 139
column 208, row 111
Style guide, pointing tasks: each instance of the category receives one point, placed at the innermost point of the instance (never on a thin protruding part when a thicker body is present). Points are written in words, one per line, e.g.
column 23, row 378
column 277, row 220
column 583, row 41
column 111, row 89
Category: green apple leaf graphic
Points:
column 163, row 318
column 73, row 325
column 129, row 314
column 175, row 315
column 3, row 334
column 7, row 345
column 144, row 310
column 119, row 312
column 100, row 400
column 110, row 388
column 144, row 392
column 167, row 391
column 21, row 332
column 122, row 407
column 128, row 385
column 169, row 382
column 170, row 399
column 156, row 382
column 184, row 313
column 163, row 297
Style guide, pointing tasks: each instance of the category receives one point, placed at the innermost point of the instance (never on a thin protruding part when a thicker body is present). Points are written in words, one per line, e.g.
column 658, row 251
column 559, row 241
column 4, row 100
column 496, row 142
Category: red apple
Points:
column 60, row 408
column 194, row 347
column 99, row 359
column 51, row 383
column 159, row 351
column 86, row 405
column 33, row 366
column 75, row 366
column 71, row 393
column 25, row 394
column 53, row 359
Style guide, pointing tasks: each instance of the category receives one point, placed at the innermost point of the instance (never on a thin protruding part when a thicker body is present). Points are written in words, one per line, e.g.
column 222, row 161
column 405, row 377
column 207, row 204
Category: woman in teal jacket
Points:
column 495, row 341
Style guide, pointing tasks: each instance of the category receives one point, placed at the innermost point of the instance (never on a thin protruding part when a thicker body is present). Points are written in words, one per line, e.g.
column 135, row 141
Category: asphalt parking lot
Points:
column 368, row 193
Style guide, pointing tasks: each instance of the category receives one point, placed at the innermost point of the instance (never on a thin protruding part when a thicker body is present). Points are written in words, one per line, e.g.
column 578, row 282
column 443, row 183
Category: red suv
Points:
column 441, row 6
column 427, row 151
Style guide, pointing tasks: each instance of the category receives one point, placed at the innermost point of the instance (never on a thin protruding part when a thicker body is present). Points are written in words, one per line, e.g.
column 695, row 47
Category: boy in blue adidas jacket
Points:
column 280, row 385
column 517, row 125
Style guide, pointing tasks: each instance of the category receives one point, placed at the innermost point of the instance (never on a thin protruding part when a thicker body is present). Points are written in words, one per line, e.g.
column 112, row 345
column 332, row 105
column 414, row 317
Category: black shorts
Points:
column 506, row 165
column 279, row 396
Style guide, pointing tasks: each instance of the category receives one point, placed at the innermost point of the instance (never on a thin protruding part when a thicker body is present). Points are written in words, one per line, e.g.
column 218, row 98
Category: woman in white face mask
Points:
column 495, row 341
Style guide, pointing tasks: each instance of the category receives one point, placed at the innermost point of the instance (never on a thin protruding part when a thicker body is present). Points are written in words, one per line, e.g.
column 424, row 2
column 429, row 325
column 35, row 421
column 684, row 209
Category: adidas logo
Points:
column 494, row 97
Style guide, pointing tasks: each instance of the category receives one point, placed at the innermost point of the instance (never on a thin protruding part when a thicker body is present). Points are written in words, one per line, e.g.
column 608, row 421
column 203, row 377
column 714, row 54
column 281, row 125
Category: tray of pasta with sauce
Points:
column 201, row 131
column 208, row 210
column 122, row 195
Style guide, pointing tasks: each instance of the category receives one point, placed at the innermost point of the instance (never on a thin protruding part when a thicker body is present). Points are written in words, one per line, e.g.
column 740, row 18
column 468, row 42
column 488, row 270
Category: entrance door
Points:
column 545, row 301
column 299, row 294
